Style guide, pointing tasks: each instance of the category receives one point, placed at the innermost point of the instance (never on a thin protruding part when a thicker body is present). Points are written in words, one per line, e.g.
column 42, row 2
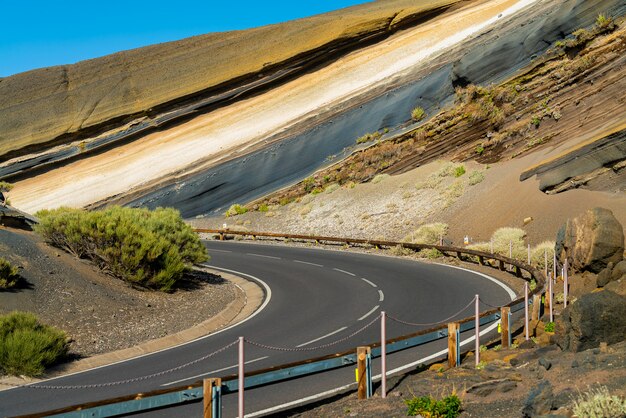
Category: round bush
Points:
column 27, row 347
column 148, row 248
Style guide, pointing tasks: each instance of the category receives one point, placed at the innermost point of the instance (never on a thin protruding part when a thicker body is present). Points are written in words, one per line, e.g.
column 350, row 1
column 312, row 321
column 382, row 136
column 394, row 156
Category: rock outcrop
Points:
column 592, row 319
column 591, row 241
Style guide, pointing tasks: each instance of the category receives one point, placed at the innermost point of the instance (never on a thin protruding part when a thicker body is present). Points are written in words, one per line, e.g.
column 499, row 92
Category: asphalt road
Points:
column 317, row 297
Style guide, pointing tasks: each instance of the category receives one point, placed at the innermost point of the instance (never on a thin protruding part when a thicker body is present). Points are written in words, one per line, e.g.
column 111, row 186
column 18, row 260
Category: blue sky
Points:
column 37, row 33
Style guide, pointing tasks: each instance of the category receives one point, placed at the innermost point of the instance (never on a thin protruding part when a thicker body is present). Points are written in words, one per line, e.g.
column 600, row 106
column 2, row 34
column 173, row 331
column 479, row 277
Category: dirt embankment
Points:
column 56, row 105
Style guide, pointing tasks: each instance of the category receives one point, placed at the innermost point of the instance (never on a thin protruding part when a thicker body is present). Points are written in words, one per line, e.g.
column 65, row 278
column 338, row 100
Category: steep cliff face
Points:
column 55, row 105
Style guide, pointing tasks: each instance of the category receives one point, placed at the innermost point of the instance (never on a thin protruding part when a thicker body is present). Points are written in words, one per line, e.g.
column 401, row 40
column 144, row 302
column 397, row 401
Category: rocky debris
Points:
column 592, row 319
column 14, row 218
column 491, row 386
column 540, row 400
column 612, row 272
column 591, row 241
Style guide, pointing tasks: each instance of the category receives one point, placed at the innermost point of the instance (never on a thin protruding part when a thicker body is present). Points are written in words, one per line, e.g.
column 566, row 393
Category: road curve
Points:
column 317, row 297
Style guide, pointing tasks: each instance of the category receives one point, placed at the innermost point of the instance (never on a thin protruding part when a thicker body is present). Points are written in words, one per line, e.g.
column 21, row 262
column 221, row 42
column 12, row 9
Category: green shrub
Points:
column 379, row 177
column 549, row 327
column 479, row 149
column 235, row 210
column 604, row 21
column 538, row 255
column 5, row 187
column 263, row 207
column 428, row 234
column 27, row 347
column 417, row 114
column 369, row 137
column 596, row 403
column 503, row 236
column 8, row 274
column 427, row 406
column 476, row 177
column 459, row 170
column 147, row 248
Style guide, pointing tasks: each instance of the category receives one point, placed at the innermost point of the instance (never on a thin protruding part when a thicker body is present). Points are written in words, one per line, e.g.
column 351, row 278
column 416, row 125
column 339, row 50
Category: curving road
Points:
column 316, row 297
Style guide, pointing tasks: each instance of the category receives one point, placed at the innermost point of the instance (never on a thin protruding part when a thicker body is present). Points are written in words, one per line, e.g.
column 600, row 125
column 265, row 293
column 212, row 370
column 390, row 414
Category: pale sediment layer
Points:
column 218, row 134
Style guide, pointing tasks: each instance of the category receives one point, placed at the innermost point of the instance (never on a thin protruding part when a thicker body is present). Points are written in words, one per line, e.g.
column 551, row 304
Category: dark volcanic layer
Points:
column 486, row 59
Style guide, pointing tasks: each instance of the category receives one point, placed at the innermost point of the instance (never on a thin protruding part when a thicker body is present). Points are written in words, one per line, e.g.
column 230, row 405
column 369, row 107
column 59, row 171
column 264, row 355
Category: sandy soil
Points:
column 232, row 129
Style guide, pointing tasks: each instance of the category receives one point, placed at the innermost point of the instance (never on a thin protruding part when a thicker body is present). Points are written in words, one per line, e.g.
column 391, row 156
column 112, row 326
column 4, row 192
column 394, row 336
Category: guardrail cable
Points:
column 319, row 347
column 414, row 324
column 127, row 381
column 482, row 302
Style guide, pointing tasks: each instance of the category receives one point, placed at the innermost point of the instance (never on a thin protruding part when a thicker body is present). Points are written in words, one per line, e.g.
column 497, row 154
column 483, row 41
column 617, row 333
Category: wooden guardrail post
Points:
column 363, row 380
column 505, row 338
column 212, row 394
column 453, row 344
column 536, row 312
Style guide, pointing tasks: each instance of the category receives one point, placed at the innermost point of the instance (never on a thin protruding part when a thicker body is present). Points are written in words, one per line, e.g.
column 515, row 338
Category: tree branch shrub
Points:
column 8, row 274
column 27, row 346
column 146, row 248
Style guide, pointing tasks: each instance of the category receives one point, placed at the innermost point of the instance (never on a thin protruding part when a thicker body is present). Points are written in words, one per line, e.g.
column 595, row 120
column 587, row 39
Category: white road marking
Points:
column 306, row 262
column 345, row 272
column 381, row 296
column 368, row 282
column 499, row 283
column 213, row 371
column 219, row 251
column 369, row 313
column 322, row 337
column 264, row 256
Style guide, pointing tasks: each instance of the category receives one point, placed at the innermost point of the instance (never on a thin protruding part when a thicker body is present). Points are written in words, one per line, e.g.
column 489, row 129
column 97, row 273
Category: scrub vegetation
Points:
column 151, row 249
column 27, row 346
column 9, row 276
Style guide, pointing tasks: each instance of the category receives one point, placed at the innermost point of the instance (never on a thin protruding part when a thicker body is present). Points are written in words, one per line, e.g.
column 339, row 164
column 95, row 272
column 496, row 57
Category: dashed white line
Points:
column 381, row 296
column 368, row 282
column 308, row 263
column 322, row 337
column 345, row 272
column 213, row 371
column 369, row 313
column 264, row 256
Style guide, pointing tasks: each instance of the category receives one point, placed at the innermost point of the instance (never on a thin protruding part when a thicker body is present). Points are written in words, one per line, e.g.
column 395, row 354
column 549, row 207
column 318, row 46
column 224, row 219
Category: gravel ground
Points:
column 101, row 313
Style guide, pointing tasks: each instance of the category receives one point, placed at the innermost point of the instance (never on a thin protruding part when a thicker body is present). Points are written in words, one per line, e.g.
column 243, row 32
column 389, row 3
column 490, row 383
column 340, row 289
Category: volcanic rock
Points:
column 591, row 241
column 592, row 319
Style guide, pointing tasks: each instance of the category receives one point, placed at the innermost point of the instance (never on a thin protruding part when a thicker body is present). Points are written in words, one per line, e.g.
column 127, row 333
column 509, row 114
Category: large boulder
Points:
column 591, row 319
column 591, row 241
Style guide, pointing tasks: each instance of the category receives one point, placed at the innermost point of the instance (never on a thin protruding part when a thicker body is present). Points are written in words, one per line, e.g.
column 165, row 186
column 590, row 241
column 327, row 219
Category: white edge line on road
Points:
column 264, row 256
column 322, row 337
column 220, row 251
column 345, row 272
column 381, row 296
column 369, row 282
column 213, row 371
column 369, row 313
column 348, row 386
column 499, row 283
column 308, row 263
column 268, row 297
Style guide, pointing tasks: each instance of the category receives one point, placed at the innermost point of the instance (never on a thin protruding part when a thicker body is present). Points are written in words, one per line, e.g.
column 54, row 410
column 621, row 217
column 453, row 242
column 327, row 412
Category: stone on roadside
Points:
column 593, row 318
column 539, row 401
column 591, row 240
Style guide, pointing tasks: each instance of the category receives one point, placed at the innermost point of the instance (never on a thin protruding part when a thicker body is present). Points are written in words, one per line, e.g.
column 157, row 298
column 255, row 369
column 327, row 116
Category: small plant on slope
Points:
column 597, row 403
column 427, row 406
column 8, row 274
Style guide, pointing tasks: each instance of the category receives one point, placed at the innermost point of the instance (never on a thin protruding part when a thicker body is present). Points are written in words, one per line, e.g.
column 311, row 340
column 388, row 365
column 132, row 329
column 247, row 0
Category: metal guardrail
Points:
column 194, row 392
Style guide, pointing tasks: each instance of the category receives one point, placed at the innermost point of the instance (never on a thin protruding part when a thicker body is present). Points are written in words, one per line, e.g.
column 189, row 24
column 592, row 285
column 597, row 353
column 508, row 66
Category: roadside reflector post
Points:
column 453, row 344
column 241, row 378
column 550, row 297
column 477, row 330
column 383, row 354
column 529, row 254
column 363, row 374
column 212, row 394
column 565, row 289
column 368, row 371
column 545, row 262
column 510, row 249
column 526, row 311
column 504, row 326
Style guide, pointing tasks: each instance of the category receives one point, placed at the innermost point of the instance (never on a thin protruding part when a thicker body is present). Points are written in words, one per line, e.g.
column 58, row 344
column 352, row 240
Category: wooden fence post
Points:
column 536, row 307
column 504, row 326
column 361, row 360
column 212, row 407
column 453, row 344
